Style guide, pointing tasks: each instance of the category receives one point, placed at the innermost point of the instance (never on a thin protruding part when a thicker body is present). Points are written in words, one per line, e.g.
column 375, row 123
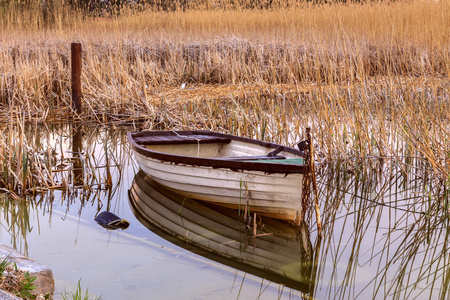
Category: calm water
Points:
column 385, row 236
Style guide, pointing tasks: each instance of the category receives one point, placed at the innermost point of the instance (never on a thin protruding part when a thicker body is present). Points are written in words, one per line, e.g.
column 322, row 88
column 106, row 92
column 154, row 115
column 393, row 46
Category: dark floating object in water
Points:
column 110, row 221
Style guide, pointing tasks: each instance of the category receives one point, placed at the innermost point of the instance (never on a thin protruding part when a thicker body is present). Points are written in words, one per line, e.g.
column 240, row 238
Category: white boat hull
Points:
column 235, row 172
column 275, row 195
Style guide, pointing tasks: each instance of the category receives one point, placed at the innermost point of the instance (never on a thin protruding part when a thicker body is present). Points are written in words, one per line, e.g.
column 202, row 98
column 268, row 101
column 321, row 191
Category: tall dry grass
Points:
column 371, row 79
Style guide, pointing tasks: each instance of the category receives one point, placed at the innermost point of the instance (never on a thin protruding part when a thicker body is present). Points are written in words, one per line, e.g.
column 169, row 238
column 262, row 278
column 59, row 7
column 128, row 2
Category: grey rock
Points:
column 45, row 284
column 8, row 296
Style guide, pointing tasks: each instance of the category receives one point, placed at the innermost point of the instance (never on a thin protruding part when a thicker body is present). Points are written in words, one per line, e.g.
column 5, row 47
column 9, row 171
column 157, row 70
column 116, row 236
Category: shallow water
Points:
column 384, row 236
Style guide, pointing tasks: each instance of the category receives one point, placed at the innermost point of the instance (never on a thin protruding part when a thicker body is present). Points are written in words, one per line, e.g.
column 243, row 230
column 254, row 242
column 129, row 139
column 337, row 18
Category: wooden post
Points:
column 75, row 52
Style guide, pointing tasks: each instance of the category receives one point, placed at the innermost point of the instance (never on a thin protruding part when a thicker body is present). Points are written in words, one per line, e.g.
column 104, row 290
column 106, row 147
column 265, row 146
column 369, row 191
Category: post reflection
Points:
column 77, row 146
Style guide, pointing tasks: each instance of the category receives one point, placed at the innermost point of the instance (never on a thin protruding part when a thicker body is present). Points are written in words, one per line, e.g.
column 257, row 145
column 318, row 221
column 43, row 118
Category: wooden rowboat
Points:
column 227, row 170
column 279, row 252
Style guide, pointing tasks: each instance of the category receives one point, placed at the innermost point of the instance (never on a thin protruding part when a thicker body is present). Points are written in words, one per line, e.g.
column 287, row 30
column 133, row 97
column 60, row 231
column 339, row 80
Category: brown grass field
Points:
column 371, row 79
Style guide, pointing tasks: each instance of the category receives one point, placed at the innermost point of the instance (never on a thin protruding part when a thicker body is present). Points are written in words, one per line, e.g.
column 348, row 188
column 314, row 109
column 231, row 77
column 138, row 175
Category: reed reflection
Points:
column 15, row 216
column 386, row 231
column 90, row 176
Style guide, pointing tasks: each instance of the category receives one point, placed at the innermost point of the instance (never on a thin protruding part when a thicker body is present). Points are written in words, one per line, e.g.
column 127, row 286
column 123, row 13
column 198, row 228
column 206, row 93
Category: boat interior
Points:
column 214, row 147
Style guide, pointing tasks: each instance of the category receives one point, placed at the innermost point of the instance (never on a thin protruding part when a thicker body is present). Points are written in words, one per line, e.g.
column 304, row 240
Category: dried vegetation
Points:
column 370, row 79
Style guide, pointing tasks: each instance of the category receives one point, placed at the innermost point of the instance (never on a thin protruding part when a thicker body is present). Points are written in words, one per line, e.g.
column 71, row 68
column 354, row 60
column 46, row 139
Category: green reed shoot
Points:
column 78, row 294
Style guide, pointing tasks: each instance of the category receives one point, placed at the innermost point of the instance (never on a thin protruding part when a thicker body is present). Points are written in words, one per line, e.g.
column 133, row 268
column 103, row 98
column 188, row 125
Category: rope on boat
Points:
column 186, row 137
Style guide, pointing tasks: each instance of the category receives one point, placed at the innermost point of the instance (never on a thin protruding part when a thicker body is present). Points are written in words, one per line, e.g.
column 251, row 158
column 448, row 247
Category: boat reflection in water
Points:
column 279, row 252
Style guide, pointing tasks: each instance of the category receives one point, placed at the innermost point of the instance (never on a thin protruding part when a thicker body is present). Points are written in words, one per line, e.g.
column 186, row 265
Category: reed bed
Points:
column 370, row 79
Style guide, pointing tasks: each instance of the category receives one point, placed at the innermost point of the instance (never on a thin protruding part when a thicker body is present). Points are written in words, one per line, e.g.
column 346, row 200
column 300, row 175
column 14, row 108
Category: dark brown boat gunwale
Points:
column 269, row 168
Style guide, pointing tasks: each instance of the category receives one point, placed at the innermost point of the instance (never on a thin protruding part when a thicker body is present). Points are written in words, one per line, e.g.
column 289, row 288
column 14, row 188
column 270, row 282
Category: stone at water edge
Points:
column 44, row 283
column 8, row 296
